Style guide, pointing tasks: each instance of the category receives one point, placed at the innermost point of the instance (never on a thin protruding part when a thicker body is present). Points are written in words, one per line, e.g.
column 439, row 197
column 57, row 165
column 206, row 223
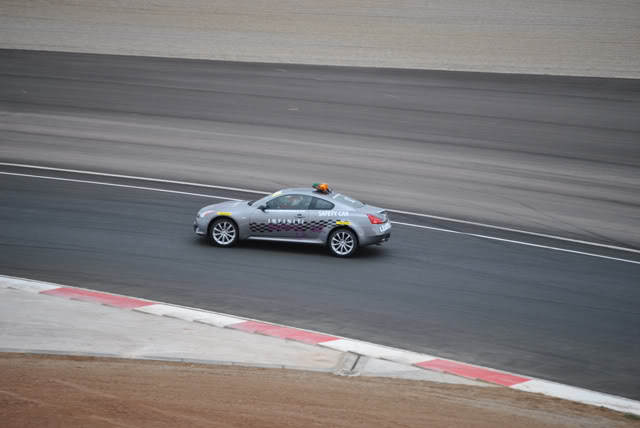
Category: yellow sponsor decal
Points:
column 223, row 213
column 344, row 223
column 278, row 193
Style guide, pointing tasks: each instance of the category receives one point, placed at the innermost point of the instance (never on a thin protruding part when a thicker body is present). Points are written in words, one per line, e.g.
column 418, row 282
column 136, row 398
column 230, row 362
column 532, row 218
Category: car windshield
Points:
column 348, row 201
column 261, row 201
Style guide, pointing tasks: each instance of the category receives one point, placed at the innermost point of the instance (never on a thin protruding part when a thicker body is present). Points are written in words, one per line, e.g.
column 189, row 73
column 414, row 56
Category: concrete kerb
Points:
column 349, row 347
column 188, row 314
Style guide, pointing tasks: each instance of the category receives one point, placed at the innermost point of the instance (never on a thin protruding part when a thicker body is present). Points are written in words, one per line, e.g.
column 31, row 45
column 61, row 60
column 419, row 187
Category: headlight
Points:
column 205, row 213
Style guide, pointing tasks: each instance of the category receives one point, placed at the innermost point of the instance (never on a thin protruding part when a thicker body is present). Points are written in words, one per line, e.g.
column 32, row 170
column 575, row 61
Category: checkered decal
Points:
column 305, row 227
column 259, row 227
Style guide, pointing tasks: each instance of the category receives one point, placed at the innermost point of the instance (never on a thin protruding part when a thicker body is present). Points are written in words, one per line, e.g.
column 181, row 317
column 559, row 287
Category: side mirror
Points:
column 262, row 207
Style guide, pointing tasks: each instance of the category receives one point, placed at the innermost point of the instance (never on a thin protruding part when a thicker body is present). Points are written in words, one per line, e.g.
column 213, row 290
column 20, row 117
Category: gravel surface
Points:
column 567, row 37
column 58, row 391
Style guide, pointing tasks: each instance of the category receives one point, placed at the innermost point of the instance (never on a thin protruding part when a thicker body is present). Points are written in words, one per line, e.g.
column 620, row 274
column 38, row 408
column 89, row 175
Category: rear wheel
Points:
column 223, row 232
column 343, row 243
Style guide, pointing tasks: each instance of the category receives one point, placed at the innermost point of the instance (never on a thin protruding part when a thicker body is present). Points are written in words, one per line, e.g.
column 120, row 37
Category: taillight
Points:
column 375, row 220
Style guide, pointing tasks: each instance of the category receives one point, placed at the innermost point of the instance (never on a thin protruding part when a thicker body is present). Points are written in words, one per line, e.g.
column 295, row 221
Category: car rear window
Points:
column 353, row 203
column 321, row 204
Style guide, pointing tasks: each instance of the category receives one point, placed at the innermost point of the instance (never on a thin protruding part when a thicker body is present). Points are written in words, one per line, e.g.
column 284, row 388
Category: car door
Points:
column 282, row 217
column 320, row 218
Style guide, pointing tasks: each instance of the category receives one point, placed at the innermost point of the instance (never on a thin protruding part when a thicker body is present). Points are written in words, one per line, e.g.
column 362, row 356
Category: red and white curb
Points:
column 371, row 350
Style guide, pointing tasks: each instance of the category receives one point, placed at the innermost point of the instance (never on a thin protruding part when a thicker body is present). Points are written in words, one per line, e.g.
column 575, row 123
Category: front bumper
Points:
column 197, row 229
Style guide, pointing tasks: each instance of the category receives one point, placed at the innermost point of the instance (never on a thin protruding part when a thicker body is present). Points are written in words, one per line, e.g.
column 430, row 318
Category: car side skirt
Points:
column 306, row 241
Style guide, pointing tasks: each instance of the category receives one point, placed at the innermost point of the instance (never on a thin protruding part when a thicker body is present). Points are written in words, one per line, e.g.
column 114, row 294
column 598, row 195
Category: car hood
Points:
column 223, row 206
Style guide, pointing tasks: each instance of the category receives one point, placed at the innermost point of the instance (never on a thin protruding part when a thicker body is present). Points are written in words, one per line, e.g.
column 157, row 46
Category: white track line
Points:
column 493, row 238
column 508, row 229
column 238, row 189
column 394, row 222
column 133, row 177
column 100, row 183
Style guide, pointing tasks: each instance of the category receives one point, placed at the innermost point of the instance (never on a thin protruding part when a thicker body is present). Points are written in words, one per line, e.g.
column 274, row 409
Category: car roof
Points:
column 315, row 193
column 311, row 192
column 303, row 191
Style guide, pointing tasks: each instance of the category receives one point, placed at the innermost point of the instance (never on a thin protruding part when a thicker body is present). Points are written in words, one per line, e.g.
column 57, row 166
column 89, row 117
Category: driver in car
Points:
column 292, row 202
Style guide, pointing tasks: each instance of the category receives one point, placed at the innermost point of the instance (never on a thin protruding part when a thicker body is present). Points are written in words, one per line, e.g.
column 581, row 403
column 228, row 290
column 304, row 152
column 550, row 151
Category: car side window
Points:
column 321, row 204
column 289, row 202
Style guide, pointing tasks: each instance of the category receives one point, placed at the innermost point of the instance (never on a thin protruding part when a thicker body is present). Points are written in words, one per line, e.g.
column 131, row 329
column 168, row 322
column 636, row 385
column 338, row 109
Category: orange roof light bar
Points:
column 321, row 187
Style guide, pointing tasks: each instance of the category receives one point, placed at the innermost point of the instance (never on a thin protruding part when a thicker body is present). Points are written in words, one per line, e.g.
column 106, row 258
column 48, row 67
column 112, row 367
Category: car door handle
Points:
column 299, row 216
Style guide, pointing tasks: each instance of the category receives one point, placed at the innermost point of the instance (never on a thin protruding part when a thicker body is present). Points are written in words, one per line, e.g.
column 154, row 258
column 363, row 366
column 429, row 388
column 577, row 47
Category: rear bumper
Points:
column 376, row 239
column 375, row 234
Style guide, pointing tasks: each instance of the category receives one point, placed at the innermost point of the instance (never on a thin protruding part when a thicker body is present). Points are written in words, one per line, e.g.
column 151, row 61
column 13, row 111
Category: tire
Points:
column 342, row 243
column 223, row 232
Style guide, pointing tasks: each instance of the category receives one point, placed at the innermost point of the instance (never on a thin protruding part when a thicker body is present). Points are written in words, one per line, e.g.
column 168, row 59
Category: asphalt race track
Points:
column 542, row 153
column 556, row 315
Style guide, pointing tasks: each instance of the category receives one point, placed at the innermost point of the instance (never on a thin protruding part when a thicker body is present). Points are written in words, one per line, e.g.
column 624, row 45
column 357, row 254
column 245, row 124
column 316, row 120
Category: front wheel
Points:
column 343, row 243
column 223, row 232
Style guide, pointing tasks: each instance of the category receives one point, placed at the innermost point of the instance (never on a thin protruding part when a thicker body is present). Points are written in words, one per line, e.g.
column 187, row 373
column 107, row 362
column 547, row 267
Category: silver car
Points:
column 314, row 215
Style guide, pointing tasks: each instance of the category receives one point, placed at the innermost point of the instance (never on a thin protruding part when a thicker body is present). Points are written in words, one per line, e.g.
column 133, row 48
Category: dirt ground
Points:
column 59, row 391
column 571, row 37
